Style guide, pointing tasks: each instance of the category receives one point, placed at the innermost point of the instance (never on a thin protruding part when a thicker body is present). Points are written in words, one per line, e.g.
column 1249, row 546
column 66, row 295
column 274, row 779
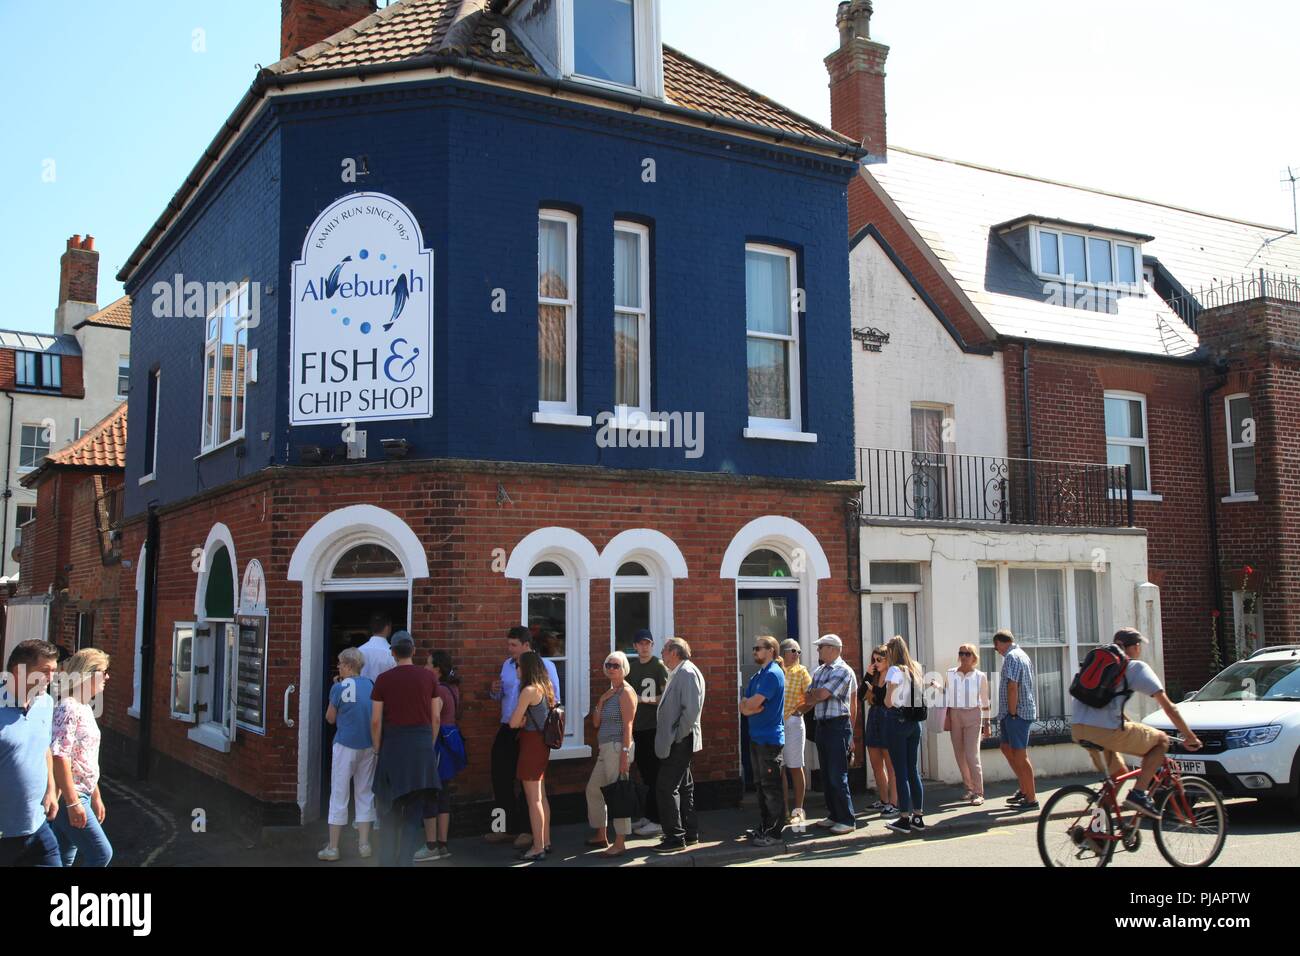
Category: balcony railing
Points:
column 1247, row 288
column 979, row 488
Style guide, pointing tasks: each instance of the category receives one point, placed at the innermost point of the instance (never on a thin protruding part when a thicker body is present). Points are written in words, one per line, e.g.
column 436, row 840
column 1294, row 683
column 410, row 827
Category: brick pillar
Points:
column 305, row 23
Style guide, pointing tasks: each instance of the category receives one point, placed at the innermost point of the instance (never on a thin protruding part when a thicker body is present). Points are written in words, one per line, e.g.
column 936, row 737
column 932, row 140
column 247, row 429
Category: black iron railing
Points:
column 1045, row 730
column 926, row 486
column 1246, row 288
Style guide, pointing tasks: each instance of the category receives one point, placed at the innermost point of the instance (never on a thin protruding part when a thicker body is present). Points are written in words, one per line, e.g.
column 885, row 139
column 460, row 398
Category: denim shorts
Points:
column 1015, row 732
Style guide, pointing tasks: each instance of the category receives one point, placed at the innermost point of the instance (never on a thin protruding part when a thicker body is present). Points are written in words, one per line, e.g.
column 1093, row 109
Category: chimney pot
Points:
column 89, row 244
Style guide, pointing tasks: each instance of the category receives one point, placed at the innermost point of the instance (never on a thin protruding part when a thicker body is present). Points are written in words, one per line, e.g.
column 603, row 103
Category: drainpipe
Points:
column 1212, row 509
column 8, row 493
column 148, row 632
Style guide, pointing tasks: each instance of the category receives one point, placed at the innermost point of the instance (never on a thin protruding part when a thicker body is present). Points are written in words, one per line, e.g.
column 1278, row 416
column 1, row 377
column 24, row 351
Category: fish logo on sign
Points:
column 361, row 331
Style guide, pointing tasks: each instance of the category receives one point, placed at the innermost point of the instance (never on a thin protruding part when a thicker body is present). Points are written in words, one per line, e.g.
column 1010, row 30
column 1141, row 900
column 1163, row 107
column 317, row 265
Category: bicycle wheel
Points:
column 1075, row 829
column 1192, row 828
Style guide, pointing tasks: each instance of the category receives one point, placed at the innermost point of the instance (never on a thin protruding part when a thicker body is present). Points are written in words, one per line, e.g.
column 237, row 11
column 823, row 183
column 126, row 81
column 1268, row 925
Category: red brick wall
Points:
column 304, row 23
column 1260, row 341
column 73, row 382
column 464, row 606
column 1067, row 389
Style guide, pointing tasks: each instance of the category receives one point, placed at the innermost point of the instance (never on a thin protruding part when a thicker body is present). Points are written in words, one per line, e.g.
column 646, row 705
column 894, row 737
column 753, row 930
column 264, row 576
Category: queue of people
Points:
column 398, row 749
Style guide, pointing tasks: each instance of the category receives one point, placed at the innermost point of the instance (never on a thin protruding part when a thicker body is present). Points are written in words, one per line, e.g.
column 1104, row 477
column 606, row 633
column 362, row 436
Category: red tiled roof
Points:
column 116, row 315
column 104, row 446
column 410, row 28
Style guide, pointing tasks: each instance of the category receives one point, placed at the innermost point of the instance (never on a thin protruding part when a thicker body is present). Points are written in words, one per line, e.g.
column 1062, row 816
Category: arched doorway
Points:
column 352, row 563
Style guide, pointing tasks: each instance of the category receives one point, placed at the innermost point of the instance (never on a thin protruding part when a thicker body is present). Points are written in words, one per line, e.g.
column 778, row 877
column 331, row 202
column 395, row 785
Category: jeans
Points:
column 904, row 738
column 36, row 849
column 88, row 844
column 505, row 792
column 647, row 761
column 677, row 792
column 834, row 741
column 769, row 765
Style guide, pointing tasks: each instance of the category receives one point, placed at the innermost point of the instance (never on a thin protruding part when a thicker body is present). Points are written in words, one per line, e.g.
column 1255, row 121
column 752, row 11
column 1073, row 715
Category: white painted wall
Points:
column 921, row 364
column 948, row 606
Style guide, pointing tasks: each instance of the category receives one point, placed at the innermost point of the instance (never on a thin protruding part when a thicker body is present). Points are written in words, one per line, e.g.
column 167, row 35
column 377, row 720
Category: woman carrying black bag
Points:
column 613, row 717
column 905, row 700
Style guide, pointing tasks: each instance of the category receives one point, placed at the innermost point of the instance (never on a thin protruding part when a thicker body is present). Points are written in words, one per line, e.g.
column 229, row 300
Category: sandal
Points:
column 527, row 857
column 611, row 853
column 596, row 843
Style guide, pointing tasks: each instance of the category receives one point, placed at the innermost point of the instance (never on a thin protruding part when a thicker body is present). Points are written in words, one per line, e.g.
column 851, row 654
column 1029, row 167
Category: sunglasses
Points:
column 613, row 666
column 965, row 654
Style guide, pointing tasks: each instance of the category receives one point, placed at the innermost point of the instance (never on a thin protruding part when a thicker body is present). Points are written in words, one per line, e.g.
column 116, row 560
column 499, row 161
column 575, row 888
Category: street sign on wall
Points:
column 361, row 320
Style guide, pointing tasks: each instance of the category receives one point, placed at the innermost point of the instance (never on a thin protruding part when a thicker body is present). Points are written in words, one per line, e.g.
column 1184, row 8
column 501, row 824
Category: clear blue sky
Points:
column 1188, row 101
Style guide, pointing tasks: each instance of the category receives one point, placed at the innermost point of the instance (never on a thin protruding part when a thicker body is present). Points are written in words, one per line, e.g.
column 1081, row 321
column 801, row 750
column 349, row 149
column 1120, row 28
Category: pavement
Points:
column 146, row 831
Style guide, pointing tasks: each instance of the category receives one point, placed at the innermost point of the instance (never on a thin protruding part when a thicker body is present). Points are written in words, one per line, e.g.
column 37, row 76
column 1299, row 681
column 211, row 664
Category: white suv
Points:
column 1249, row 720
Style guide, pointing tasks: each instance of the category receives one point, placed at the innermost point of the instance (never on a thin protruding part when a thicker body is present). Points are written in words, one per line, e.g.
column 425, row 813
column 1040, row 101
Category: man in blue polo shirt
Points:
column 764, row 707
column 28, row 797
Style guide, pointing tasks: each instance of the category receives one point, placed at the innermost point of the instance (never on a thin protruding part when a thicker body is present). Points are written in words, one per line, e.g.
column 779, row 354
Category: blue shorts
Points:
column 1015, row 732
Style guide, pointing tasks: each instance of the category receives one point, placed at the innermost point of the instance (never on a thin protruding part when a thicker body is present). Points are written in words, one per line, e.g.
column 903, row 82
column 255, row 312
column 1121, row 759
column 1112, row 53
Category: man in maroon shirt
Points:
column 405, row 711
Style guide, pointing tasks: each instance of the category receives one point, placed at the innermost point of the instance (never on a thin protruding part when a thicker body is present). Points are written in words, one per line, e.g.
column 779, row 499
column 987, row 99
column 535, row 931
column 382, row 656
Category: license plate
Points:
column 1190, row 766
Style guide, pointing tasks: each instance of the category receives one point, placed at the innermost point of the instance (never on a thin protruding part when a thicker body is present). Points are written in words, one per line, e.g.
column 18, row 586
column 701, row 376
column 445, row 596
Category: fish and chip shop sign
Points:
column 361, row 325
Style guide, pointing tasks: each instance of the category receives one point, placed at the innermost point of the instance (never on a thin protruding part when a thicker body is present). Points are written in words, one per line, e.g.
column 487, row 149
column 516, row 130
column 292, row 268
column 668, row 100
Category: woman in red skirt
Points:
column 536, row 698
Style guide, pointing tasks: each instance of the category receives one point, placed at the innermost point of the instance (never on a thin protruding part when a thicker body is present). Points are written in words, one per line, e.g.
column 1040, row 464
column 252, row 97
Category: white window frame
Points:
column 187, row 714
column 647, row 49
column 1036, row 257
column 1144, row 443
column 212, row 350
column 156, row 379
column 1073, row 639
column 788, row 429
column 565, row 412
column 22, row 445
column 18, row 522
column 123, row 360
column 642, row 316
column 577, row 650
column 1234, row 494
column 44, row 366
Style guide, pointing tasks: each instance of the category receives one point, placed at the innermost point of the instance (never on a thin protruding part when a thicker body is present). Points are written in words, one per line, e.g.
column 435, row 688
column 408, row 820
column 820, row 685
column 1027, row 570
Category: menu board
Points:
column 250, row 682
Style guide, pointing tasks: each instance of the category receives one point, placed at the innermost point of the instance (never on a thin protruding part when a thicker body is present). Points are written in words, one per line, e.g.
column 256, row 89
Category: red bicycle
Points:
column 1082, row 826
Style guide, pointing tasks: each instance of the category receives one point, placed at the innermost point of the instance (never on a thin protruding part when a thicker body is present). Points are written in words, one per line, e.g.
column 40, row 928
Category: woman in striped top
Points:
column 612, row 719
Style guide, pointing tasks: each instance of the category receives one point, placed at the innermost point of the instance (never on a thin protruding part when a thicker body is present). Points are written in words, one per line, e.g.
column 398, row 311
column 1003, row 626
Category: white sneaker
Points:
column 329, row 855
column 841, row 828
column 648, row 829
column 425, row 855
column 827, row 823
column 365, row 851
column 638, row 824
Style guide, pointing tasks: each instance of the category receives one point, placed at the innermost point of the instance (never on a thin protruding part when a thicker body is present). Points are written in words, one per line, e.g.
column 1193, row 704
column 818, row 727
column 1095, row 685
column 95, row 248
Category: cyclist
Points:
column 1109, row 728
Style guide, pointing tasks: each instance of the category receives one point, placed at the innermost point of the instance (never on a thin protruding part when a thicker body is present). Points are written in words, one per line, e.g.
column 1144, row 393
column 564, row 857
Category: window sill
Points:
column 237, row 439
column 146, row 479
column 571, row 753
column 1137, row 496
column 780, row 434
column 1240, row 499
column 636, row 421
column 211, row 737
column 558, row 418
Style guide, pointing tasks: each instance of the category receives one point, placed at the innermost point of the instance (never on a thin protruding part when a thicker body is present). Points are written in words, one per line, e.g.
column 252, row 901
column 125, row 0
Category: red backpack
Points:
column 1102, row 677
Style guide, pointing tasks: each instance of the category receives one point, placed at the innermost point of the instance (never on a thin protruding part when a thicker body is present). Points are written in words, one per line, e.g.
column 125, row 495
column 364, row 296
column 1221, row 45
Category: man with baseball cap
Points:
column 1108, row 727
column 834, row 697
column 647, row 675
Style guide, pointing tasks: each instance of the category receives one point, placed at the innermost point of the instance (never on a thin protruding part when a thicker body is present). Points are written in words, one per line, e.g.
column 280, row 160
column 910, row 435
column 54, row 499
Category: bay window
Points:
column 225, row 370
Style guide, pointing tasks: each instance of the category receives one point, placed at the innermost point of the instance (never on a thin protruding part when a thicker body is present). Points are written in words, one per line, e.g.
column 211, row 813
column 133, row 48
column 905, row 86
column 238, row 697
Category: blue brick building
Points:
column 484, row 314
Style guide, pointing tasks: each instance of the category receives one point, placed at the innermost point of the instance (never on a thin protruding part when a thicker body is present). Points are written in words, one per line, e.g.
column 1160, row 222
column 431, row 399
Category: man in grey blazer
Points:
column 678, row 737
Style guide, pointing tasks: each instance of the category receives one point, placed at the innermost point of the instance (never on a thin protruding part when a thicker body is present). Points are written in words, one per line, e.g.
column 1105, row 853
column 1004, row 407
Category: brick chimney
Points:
column 78, row 283
column 305, row 23
column 857, row 71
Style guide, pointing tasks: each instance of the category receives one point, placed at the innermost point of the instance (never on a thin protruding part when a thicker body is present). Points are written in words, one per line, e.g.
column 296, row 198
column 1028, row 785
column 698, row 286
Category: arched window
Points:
column 205, row 651
column 551, row 606
column 368, row 561
column 765, row 563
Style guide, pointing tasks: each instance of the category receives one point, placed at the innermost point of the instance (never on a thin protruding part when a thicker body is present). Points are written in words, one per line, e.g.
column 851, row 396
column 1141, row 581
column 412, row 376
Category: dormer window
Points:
column 1086, row 258
column 604, row 40
column 614, row 43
